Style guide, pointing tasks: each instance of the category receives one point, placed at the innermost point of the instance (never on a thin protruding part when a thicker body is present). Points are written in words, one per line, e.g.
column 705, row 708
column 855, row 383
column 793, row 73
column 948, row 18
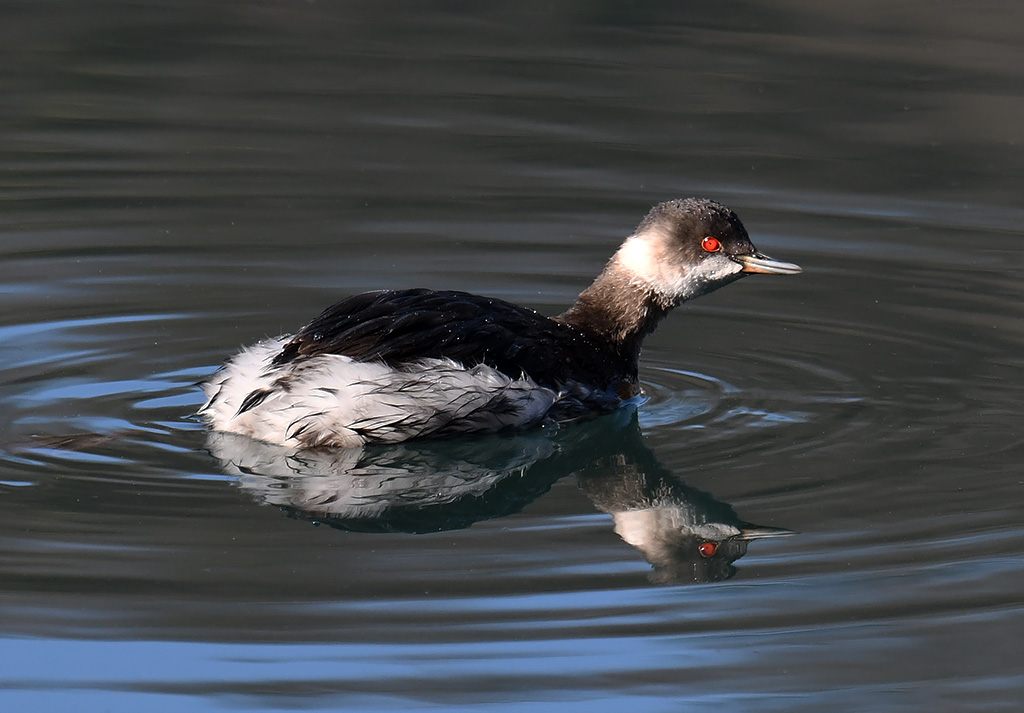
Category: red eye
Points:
column 707, row 549
column 712, row 245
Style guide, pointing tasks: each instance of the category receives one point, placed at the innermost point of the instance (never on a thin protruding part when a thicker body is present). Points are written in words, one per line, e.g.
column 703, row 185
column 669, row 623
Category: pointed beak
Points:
column 764, row 264
column 756, row 532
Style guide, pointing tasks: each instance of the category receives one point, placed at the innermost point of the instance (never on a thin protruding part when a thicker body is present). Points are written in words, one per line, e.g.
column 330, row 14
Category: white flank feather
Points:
column 333, row 400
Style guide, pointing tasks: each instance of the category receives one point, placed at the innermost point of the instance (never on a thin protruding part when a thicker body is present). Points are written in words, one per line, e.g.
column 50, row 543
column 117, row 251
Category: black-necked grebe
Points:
column 393, row 365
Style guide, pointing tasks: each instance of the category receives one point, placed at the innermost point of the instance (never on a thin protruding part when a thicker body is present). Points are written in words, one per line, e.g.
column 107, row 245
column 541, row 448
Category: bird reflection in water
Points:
column 429, row 486
column 684, row 533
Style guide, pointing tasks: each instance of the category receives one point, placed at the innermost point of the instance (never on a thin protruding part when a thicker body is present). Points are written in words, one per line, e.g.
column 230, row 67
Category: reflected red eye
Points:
column 707, row 549
column 712, row 245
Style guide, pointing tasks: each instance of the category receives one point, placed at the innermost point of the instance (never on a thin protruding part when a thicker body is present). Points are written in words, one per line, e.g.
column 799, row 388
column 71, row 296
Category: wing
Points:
column 402, row 326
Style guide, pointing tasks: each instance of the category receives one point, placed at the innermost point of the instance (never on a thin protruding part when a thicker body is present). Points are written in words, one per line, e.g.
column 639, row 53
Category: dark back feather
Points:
column 402, row 326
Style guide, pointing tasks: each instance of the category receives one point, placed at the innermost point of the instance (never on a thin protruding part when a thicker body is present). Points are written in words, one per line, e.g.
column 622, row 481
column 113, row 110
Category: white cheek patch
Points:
column 714, row 267
column 642, row 257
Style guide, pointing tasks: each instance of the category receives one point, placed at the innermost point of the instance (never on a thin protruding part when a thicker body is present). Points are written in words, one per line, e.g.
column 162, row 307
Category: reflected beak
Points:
column 764, row 264
column 756, row 532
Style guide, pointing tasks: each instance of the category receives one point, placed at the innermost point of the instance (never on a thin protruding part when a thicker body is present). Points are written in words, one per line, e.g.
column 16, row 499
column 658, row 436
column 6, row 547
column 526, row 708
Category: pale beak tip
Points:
column 757, row 532
column 767, row 266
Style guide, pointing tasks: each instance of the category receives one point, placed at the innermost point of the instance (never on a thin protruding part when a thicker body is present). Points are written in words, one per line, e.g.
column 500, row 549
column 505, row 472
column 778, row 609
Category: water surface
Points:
column 182, row 180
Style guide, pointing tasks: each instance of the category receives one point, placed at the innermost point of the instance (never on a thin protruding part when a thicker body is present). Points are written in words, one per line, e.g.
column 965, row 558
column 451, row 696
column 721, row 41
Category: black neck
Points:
column 617, row 310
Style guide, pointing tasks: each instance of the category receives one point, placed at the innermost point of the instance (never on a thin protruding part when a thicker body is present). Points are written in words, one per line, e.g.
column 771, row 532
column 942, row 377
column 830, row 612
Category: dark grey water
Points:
column 180, row 179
